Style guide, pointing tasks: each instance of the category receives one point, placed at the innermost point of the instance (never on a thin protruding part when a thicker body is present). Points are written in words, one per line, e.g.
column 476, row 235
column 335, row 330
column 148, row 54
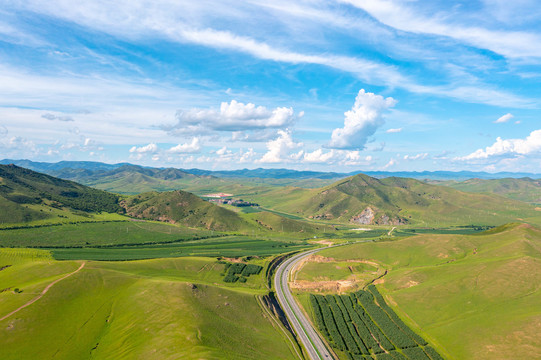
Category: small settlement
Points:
column 225, row 199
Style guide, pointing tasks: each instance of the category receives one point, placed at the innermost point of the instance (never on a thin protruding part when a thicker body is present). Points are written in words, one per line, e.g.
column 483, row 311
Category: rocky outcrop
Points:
column 368, row 217
column 365, row 217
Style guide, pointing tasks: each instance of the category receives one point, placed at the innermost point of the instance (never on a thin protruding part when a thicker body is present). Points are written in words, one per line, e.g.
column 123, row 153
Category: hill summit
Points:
column 363, row 199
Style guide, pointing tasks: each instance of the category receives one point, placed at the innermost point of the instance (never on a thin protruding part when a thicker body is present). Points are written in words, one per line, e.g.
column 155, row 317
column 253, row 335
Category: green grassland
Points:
column 334, row 270
column 152, row 309
column 472, row 296
column 99, row 234
column 525, row 189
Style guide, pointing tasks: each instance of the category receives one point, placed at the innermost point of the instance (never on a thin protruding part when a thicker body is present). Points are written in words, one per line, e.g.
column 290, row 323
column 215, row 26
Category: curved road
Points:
column 307, row 334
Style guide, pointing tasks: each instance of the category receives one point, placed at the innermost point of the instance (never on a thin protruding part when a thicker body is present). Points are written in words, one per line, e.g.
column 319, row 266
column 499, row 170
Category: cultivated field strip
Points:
column 363, row 326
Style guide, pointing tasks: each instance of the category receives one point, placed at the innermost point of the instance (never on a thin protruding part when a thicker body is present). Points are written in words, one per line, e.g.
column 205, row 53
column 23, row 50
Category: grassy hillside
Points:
column 475, row 297
column 155, row 309
column 26, row 196
column 281, row 224
column 365, row 200
column 183, row 208
column 524, row 189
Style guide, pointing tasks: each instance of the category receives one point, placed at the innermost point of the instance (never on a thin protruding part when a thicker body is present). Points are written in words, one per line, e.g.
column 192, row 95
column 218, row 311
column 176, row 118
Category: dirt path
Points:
column 42, row 293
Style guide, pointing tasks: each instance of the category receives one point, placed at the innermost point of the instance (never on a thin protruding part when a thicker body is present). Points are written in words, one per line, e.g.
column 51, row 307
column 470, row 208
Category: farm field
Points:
column 234, row 246
column 166, row 308
column 470, row 296
column 98, row 233
column 362, row 326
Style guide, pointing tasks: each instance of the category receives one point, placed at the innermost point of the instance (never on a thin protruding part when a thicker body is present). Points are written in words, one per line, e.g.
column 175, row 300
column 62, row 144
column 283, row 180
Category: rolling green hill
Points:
column 362, row 199
column 474, row 296
column 523, row 189
column 26, row 195
column 153, row 309
column 131, row 180
column 183, row 208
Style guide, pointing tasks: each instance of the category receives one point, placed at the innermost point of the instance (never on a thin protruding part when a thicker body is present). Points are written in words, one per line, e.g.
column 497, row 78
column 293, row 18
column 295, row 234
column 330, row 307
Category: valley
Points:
column 152, row 274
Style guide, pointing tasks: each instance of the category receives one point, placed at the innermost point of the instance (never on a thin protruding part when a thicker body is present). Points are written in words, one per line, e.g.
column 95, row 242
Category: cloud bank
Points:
column 509, row 148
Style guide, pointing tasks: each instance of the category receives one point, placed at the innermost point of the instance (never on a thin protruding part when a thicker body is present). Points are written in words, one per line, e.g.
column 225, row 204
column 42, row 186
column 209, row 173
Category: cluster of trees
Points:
column 242, row 269
column 24, row 186
column 359, row 326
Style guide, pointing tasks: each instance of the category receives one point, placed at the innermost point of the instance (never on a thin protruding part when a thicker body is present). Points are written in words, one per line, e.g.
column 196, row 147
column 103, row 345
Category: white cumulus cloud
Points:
column 392, row 131
column 147, row 149
column 281, row 149
column 318, row 156
column 510, row 147
column 191, row 147
column 421, row 156
column 361, row 121
column 234, row 116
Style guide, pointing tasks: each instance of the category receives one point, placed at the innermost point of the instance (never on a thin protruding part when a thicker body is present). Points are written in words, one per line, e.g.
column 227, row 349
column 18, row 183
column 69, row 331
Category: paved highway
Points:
column 309, row 337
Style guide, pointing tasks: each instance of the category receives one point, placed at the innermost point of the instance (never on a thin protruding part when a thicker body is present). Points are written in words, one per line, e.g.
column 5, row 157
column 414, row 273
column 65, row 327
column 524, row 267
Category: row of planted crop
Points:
column 359, row 326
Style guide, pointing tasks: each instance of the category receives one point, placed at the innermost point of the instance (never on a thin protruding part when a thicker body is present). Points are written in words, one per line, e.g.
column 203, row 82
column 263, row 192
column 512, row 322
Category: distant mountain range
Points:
column 90, row 168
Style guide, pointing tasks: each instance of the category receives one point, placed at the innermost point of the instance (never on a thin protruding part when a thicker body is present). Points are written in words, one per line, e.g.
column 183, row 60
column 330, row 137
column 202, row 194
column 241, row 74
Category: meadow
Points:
column 163, row 308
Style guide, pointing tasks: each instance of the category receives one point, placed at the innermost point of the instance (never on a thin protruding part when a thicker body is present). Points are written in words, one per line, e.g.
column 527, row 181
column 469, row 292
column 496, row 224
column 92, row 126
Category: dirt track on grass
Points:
column 43, row 292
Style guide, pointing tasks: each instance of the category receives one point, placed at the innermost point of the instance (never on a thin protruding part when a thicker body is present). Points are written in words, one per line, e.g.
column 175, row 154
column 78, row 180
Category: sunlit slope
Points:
column 366, row 200
column 183, row 208
column 280, row 224
column 26, row 195
column 524, row 189
column 475, row 297
column 156, row 309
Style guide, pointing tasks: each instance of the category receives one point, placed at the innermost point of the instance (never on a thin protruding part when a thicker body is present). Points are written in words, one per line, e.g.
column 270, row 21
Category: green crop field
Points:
column 234, row 246
column 166, row 309
column 361, row 324
column 98, row 233
column 470, row 296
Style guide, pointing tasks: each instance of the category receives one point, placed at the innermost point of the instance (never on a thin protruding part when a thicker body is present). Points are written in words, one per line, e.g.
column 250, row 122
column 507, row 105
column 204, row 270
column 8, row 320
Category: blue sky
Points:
column 326, row 85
